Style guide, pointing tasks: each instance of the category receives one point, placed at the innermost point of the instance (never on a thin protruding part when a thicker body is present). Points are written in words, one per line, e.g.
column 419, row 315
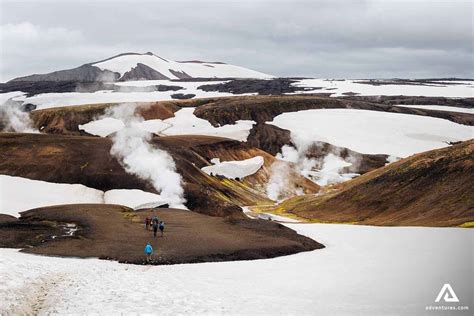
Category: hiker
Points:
column 148, row 251
column 162, row 227
column 147, row 222
column 155, row 228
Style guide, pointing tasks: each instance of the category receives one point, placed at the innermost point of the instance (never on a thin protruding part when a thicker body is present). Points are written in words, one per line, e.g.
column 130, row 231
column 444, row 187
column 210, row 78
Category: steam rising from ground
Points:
column 323, row 171
column 14, row 119
column 280, row 180
column 131, row 146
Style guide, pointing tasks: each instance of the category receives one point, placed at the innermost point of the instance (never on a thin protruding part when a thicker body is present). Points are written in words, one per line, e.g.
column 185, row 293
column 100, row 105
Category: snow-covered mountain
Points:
column 148, row 66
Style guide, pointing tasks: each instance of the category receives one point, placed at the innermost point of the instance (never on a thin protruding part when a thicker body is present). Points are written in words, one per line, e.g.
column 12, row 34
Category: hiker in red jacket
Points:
column 147, row 222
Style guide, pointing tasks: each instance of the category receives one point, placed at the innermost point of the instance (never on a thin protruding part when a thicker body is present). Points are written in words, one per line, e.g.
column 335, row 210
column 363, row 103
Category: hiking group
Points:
column 155, row 223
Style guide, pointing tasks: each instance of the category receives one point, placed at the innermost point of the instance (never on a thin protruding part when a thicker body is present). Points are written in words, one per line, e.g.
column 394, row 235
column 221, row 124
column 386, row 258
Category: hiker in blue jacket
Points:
column 148, row 251
column 162, row 227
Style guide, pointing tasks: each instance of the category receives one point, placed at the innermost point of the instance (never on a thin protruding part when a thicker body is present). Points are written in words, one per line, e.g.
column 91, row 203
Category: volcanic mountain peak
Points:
column 147, row 66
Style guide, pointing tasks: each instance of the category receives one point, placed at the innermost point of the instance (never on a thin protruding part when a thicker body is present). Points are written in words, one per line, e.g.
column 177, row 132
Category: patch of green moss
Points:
column 357, row 197
column 467, row 225
column 331, row 222
column 222, row 196
column 131, row 216
column 275, row 210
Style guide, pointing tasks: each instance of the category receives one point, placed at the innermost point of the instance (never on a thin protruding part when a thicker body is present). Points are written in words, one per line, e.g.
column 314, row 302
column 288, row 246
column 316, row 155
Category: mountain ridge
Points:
column 147, row 66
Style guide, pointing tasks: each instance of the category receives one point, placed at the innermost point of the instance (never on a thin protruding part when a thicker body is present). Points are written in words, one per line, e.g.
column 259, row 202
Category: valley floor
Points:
column 362, row 270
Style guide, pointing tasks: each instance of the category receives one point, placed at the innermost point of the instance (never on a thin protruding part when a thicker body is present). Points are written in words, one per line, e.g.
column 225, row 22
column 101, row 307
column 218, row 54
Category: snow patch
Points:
column 234, row 169
column 439, row 108
column 131, row 197
column 21, row 194
column 184, row 122
column 155, row 126
column 373, row 132
column 340, row 87
column 4, row 97
column 52, row 100
column 102, row 127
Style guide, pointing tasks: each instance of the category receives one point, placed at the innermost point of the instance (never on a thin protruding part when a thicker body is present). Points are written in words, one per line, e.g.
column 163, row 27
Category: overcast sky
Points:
column 330, row 39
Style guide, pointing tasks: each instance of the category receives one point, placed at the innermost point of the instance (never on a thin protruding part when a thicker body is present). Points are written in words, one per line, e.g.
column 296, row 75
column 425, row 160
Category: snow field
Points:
column 373, row 132
column 362, row 270
column 52, row 100
column 465, row 89
column 4, row 97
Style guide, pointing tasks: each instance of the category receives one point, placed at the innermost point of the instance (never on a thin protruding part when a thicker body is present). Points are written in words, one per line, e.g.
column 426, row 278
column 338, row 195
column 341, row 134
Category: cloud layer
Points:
column 345, row 39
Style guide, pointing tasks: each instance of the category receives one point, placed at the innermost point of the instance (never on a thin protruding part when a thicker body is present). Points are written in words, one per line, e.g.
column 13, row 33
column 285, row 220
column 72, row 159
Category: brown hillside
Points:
column 65, row 120
column 224, row 110
column 429, row 189
column 86, row 160
column 227, row 110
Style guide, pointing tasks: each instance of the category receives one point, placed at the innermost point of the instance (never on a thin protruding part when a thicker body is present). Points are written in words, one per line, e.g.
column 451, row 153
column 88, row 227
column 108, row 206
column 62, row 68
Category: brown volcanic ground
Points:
column 227, row 110
column 117, row 233
column 65, row 120
column 86, row 160
column 428, row 189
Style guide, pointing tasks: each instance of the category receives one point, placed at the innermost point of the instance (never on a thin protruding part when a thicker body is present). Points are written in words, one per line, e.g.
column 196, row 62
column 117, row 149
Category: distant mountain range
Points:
column 148, row 66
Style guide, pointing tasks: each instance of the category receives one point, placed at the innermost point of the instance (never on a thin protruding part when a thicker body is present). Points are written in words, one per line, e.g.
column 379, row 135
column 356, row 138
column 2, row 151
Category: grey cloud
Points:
column 362, row 39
